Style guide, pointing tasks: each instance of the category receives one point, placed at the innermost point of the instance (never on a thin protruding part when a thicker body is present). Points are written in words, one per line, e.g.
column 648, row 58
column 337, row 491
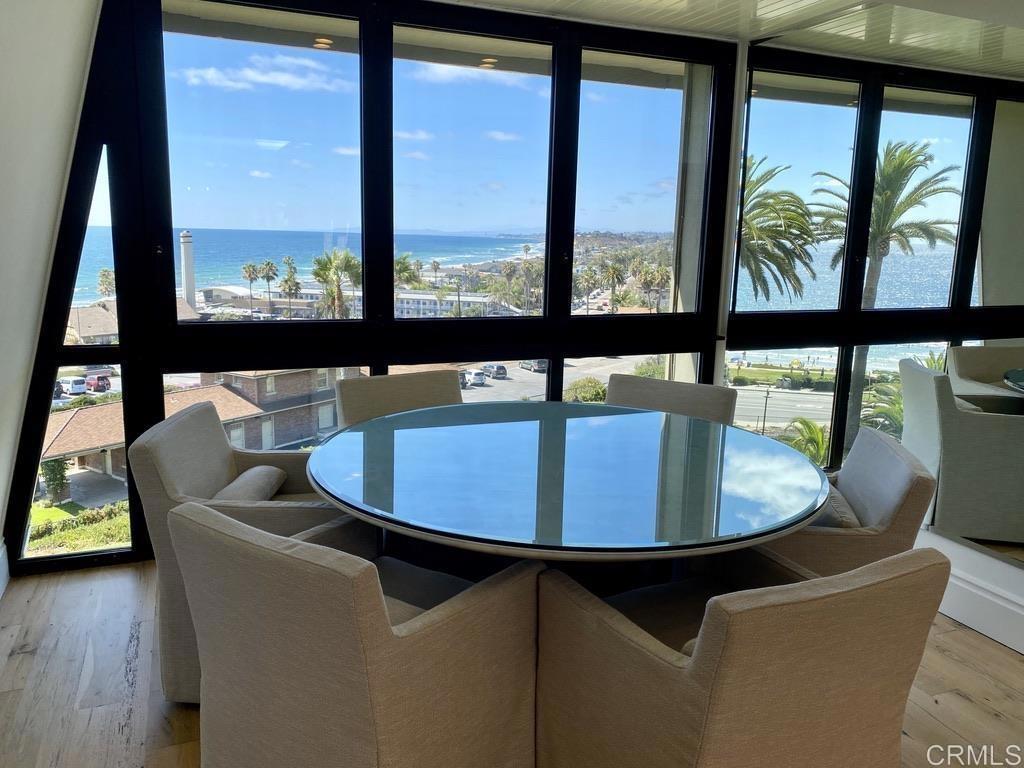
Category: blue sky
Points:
column 267, row 137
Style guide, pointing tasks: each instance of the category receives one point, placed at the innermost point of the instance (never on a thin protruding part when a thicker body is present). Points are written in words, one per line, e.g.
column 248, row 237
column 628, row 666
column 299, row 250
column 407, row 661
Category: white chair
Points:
column 187, row 457
column 317, row 656
column 976, row 374
column 801, row 675
column 368, row 397
column 976, row 456
column 875, row 508
column 702, row 401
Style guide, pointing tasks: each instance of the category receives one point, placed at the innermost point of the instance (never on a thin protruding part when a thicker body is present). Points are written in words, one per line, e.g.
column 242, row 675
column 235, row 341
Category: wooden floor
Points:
column 78, row 685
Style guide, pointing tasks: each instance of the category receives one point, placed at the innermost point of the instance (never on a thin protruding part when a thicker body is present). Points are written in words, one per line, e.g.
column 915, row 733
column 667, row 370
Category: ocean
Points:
column 921, row 280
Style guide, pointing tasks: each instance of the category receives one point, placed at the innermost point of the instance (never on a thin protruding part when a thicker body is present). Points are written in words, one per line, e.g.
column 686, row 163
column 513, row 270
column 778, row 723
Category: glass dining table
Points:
column 1014, row 379
column 568, row 481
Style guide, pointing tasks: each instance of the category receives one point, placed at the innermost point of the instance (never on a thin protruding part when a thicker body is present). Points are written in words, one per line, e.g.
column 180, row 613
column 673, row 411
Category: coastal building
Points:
column 96, row 323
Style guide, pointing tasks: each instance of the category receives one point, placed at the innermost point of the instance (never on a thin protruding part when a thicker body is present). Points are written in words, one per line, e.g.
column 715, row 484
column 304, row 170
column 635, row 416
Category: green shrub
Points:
column 83, row 518
column 651, row 368
column 741, row 381
column 586, row 390
column 55, row 475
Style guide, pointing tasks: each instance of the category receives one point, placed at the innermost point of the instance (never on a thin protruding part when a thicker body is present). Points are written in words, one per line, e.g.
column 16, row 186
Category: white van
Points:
column 73, row 385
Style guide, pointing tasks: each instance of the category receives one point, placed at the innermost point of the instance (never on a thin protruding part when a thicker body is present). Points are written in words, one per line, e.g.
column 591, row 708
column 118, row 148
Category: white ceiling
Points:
column 980, row 36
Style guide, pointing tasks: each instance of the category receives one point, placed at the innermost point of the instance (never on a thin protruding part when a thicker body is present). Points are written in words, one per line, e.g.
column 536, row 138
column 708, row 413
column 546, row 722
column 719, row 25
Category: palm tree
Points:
column 899, row 190
column 613, row 275
column 290, row 285
column 435, row 266
column 440, row 294
column 808, row 437
column 589, row 282
column 251, row 273
column 662, row 280
column 646, row 279
column 883, row 409
column 935, row 362
column 777, row 233
column 268, row 273
column 330, row 270
column 105, row 283
column 405, row 270
column 419, row 269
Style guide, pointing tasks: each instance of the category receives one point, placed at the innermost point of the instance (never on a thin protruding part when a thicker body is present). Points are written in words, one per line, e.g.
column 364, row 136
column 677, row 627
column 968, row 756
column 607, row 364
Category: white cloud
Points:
column 346, row 151
column 544, row 93
column 936, row 140
column 494, row 186
column 777, row 484
column 274, row 144
column 417, row 155
column 260, row 174
column 594, row 96
column 301, row 164
column 292, row 73
column 431, row 72
column 418, row 135
column 502, row 136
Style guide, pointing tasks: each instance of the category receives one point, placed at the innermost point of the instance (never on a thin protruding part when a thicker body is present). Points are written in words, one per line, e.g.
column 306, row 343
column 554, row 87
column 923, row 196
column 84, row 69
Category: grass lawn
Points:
column 105, row 534
column 41, row 514
column 769, row 375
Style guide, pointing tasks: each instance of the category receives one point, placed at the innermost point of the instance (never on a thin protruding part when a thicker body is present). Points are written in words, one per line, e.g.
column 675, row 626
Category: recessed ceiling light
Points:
column 489, row 61
column 486, row 66
column 324, row 40
column 321, row 46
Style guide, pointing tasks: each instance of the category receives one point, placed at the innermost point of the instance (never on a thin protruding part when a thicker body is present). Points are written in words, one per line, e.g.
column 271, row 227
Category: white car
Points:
column 476, row 378
column 73, row 385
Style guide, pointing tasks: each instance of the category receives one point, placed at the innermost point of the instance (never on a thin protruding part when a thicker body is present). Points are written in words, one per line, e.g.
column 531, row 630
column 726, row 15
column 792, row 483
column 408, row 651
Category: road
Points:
column 783, row 406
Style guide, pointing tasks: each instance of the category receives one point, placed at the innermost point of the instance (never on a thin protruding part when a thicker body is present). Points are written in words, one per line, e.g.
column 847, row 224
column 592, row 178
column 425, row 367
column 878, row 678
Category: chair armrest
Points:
column 346, row 534
column 827, row 551
column 283, row 518
column 292, row 462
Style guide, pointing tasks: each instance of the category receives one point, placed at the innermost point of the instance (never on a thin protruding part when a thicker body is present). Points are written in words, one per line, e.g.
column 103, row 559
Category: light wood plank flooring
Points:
column 79, row 688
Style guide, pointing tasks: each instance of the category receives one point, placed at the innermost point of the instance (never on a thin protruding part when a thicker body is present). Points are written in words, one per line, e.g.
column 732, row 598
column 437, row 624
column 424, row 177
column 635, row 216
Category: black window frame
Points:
column 124, row 109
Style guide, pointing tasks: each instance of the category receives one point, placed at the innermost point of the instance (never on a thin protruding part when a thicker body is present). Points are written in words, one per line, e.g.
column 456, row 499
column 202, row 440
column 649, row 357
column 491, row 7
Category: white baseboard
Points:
column 5, row 571
column 986, row 593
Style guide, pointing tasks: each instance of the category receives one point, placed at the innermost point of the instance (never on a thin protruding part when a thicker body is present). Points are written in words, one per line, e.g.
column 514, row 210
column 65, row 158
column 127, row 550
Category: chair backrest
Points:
column 926, row 395
column 702, row 401
column 365, row 398
column 816, row 673
column 188, row 454
column 281, row 626
column 886, row 485
column 986, row 364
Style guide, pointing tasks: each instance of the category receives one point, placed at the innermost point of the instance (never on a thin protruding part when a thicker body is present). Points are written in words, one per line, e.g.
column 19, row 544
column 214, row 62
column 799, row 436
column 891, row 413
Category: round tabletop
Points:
column 1014, row 379
column 568, row 481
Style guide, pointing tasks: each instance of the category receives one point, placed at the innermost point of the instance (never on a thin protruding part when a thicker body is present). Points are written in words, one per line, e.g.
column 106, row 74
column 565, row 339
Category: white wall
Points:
column 45, row 46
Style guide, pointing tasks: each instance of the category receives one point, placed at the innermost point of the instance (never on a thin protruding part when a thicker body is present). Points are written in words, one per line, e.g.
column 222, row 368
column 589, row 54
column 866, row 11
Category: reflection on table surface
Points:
column 559, row 475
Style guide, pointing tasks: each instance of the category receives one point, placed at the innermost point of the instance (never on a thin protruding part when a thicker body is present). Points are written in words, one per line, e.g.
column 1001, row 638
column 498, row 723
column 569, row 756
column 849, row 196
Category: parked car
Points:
column 97, row 383
column 72, row 385
column 98, row 370
column 494, row 370
column 534, row 366
column 463, row 380
column 476, row 378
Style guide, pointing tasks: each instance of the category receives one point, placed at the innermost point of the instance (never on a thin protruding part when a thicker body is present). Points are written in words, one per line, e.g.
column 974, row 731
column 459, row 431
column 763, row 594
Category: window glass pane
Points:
column 786, row 394
column 296, row 411
column 81, row 497
column 643, row 145
column 492, row 379
column 876, row 394
column 922, row 151
column 471, row 132
column 585, row 379
column 999, row 276
column 800, row 152
column 93, row 315
column 263, row 133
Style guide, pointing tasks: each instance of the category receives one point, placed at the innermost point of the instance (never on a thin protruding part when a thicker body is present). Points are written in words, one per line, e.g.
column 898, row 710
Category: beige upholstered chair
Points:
column 314, row 656
column 187, row 457
column 702, row 401
column 976, row 374
column 975, row 454
column 365, row 398
column 802, row 675
column 885, row 489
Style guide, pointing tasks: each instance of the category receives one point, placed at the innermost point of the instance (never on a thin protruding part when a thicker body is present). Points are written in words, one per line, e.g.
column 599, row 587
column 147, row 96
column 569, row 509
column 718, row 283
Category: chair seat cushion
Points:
column 418, row 587
column 255, row 484
column 672, row 613
column 837, row 513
